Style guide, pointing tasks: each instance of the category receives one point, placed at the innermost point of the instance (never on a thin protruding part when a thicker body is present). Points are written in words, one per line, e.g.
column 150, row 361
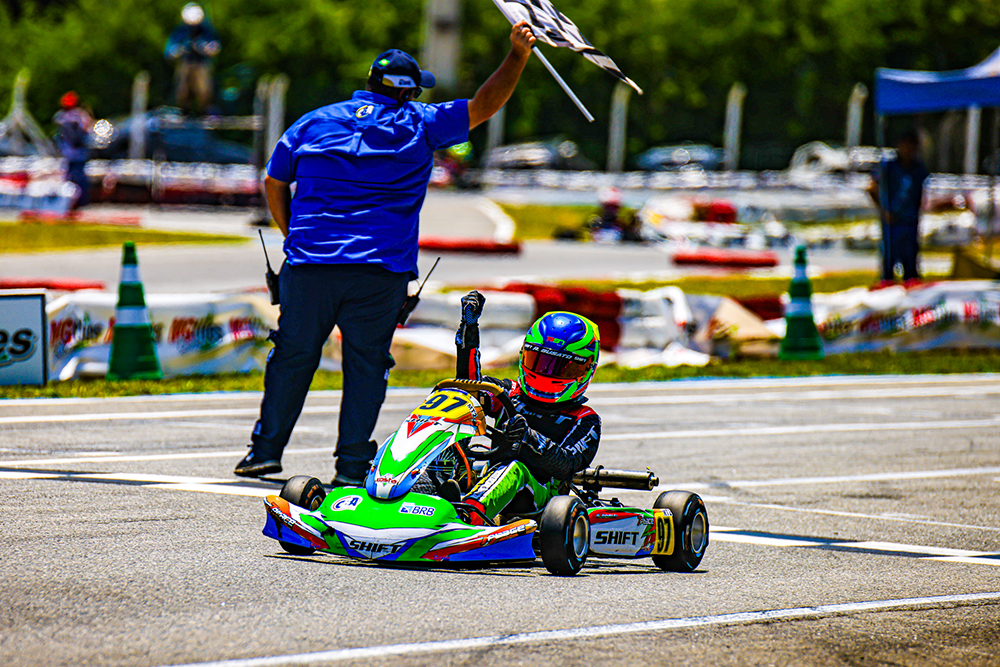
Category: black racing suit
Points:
column 567, row 434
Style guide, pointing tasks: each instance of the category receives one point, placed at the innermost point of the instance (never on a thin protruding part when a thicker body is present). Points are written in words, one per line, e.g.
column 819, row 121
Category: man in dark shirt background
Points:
column 898, row 201
column 192, row 45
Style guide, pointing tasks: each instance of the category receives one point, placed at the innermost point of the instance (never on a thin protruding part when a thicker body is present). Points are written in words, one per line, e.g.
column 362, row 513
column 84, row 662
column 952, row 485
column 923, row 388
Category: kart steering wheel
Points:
column 471, row 386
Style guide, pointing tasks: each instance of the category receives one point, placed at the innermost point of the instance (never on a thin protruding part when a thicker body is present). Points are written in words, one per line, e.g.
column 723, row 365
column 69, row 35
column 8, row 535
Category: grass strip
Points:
column 29, row 237
column 536, row 221
column 871, row 363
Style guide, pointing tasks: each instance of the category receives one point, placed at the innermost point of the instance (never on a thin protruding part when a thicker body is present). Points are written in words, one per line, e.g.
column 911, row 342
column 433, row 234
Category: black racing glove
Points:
column 467, row 335
column 472, row 307
column 514, row 429
column 505, row 383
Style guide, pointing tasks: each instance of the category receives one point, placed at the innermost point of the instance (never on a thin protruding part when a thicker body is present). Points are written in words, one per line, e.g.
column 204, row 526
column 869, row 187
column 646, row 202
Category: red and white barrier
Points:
column 725, row 257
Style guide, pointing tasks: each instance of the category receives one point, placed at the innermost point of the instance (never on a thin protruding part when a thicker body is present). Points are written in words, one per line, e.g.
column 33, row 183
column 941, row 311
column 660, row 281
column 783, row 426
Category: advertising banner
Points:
column 947, row 315
column 195, row 334
column 22, row 338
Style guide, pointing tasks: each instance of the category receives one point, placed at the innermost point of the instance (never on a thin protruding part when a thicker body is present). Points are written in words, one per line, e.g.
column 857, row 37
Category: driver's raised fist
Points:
column 472, row 307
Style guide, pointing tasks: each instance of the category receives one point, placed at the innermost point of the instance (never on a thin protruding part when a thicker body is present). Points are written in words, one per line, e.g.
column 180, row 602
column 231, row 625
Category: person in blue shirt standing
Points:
column 898, row 203
column 360, row 169
column 74, row 123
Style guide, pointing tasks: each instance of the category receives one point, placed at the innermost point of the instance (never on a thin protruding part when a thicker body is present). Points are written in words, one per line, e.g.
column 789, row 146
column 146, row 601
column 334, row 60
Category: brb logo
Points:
column 421, row 510
column 17, row 346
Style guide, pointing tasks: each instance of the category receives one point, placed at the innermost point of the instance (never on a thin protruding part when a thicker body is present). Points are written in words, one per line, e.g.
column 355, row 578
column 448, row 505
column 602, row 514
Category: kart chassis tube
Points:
column 594, row 479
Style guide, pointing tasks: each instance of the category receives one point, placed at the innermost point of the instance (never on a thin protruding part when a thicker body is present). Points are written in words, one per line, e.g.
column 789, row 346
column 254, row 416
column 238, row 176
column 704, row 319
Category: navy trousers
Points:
column 899, row 245
column 364, row 301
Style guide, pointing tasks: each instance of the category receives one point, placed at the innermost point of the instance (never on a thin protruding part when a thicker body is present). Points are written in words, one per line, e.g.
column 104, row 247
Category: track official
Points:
column 360, row 170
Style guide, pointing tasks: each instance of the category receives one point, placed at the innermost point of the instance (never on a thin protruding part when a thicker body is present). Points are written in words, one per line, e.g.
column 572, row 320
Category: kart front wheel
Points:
column 690, row 520
column 564, row 535
column 307, row 492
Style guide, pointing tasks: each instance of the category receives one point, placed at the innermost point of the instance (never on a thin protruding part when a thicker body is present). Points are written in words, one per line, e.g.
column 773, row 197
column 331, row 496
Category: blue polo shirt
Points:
column 361, row 169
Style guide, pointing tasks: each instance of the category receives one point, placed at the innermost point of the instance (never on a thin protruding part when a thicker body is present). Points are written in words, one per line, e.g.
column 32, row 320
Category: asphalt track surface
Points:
column 855, row 521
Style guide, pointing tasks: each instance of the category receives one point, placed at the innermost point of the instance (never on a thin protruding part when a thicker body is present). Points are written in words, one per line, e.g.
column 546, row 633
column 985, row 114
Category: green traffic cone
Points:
column 133, row 352
column 801, row 339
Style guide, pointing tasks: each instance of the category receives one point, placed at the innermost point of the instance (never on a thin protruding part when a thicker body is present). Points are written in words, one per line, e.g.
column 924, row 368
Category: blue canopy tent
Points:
column 899, row 91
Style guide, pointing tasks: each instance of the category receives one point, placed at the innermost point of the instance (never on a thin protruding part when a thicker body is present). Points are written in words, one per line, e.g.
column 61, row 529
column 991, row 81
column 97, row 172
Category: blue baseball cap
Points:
column 398, row 69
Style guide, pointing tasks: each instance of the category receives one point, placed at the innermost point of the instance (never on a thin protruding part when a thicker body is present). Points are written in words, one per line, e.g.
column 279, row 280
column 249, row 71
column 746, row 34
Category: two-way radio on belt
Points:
column 412, row 301
column 270, row 277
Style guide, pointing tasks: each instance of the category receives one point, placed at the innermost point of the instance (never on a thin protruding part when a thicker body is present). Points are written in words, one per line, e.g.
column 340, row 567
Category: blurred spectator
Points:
column 609, row 224
column 898, row 201
column 74, row 123
column 192, row 46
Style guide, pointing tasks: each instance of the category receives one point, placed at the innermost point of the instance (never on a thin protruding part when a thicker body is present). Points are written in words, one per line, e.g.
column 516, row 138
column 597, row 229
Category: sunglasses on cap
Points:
column 401, row 81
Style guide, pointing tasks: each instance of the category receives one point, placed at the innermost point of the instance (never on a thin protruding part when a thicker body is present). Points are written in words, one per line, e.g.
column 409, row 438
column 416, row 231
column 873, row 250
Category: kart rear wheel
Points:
column 564, row 535
column 307, row 492
column 690, row 530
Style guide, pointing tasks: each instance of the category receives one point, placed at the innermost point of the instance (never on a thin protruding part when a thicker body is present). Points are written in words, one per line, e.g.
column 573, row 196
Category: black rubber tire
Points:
column 307, row 492
column 690, row 530
column 564, row 535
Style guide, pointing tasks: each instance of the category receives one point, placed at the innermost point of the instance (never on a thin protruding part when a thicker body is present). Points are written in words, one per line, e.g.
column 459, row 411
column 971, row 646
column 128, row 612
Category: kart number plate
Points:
column 445, row 404
column 664, row 524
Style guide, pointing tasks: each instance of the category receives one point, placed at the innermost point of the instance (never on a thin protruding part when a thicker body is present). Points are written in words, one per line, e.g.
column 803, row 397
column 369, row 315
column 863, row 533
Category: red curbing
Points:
column 55, row 284
column 743, row 259
column 481, row 246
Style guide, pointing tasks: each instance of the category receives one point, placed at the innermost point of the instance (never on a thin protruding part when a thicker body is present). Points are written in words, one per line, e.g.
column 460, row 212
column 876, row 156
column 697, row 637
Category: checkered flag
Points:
column 553, row 28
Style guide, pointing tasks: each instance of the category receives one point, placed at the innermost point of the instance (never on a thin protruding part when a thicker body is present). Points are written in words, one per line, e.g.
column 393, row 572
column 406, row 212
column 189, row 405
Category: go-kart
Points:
column 387, row 520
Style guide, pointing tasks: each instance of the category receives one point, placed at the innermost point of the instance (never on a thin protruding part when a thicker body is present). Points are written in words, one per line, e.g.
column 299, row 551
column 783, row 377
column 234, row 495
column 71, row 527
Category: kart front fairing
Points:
column 388, row 521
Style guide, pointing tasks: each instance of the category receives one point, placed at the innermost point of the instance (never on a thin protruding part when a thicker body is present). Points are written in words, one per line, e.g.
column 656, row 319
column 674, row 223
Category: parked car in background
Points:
column 553, row 154
column 170, row 137
column 680, row 156
column 820, row 157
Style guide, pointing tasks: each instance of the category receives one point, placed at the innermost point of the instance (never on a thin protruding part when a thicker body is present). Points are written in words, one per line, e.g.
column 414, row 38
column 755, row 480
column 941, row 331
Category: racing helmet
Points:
column 559, row 357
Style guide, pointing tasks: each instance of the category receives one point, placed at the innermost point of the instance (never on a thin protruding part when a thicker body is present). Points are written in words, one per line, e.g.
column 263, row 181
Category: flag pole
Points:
column 563, row 85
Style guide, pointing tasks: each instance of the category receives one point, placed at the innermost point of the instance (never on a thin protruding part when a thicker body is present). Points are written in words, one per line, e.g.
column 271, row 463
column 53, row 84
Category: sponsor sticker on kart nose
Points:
column 420, row 510
column 346, row 503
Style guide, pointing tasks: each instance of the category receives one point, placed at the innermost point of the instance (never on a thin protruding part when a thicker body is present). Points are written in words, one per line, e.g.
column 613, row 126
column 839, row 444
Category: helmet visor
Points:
column 551, row 364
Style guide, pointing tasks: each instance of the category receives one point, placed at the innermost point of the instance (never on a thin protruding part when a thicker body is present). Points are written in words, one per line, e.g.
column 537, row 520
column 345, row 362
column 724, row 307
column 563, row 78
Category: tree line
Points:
column 798, row 58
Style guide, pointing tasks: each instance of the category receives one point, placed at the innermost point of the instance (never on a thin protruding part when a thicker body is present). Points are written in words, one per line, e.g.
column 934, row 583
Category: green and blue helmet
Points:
column 559, row 357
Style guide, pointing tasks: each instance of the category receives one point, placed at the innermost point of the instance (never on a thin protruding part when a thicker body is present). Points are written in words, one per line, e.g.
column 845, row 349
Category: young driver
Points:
column 553, row 434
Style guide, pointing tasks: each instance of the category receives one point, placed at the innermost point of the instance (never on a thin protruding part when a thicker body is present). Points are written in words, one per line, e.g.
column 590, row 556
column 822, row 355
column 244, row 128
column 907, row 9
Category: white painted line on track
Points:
column 224, row 426
column 800, row 395
column 569, row 634
column 724, row 534
column 804, row 428
column 852, row 515
column 221, row 489
column 871, row 477
column 197, row 398
column 171, row 414
column 804, row 381
column 154, row 457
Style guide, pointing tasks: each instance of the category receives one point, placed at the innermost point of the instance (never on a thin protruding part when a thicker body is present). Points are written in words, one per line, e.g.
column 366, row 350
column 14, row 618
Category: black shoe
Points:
column 254, row 465
column 345, row 480
column 451, row 491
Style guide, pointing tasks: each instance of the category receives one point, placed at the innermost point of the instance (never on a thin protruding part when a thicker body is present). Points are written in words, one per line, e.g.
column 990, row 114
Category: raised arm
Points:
column 498, row 88
column 467, row 337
